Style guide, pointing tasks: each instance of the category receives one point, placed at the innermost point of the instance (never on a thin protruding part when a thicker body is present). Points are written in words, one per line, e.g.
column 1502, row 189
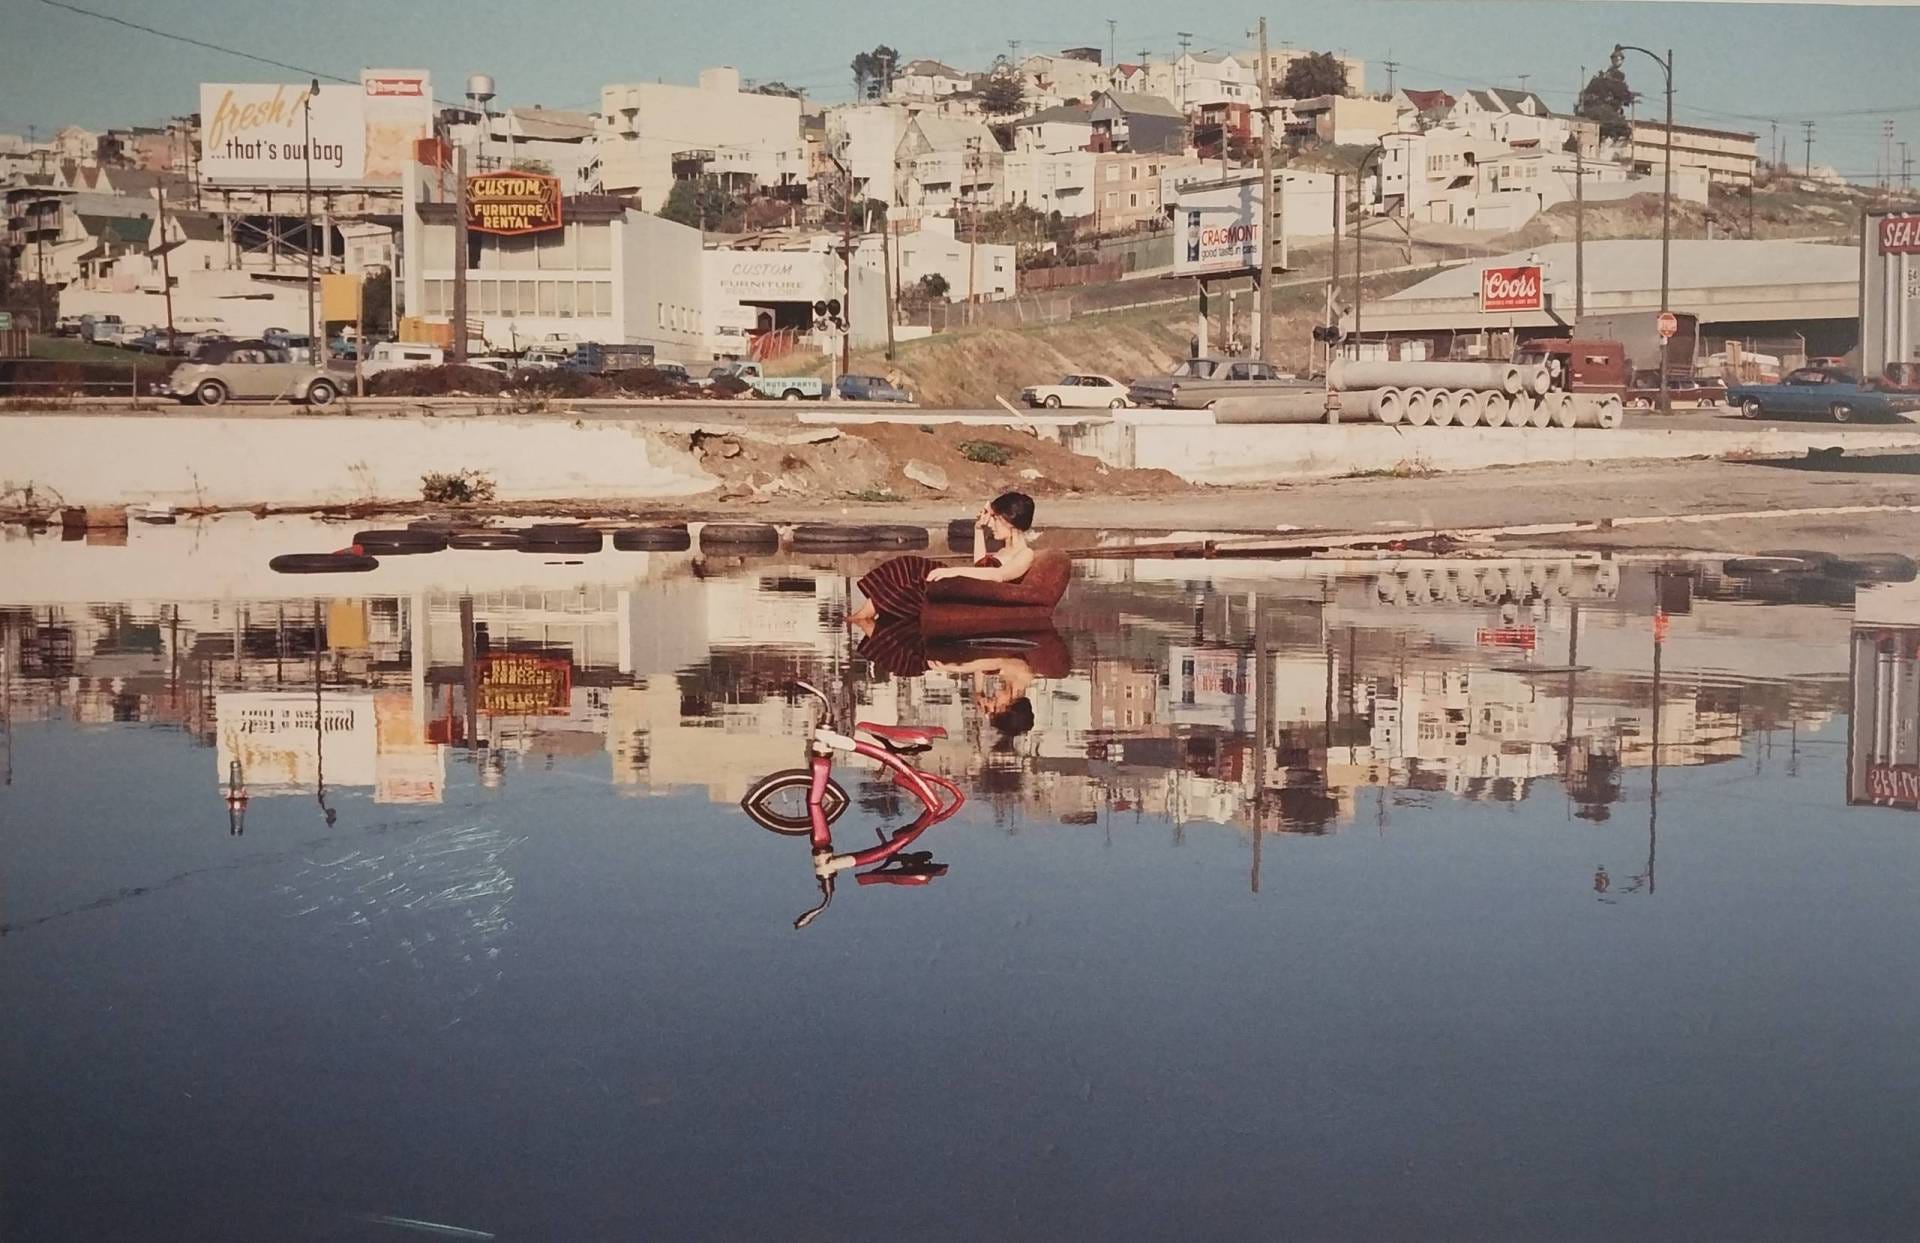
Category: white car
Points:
column 1080, row 392
column 394, row 355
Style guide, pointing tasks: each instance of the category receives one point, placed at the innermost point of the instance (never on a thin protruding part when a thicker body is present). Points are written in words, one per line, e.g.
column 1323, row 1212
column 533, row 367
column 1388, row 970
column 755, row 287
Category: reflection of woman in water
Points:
column 1005, row 703
column 897, row 589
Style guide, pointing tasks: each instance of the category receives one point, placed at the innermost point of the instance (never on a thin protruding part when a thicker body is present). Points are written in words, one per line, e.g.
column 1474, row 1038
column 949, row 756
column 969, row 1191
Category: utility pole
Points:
column 886, row 278
column 1273, row 203
column 1333, row 268
column 1773, row 142
column 1886, row 142
column 1393, row 67
column 1579, row 223
column 846, row 270
column 1113, row 55
column 973, row 218
column 306, row 111
column 1666, row 206
column 1179, row 70
column 1808, row 126
column 459, row 351
column 166, row 260
column 1906, row 168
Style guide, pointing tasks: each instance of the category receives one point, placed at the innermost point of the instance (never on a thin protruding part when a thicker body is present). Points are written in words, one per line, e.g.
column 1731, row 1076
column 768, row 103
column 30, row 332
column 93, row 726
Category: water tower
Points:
column 479, row 94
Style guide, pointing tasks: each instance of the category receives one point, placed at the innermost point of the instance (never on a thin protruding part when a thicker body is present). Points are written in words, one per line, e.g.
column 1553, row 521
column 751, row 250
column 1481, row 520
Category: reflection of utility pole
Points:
column 319, row 729
column 469, row 670
column 1262, row 724
column 1653, row 789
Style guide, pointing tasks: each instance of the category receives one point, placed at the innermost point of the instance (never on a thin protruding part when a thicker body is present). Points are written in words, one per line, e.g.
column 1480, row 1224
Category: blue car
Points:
column 1822, row 392
column 868, row 388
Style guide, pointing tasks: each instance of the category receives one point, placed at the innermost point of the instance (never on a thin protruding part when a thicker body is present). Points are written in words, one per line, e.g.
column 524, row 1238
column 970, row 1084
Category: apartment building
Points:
column 1050, row 181
column 1131, row 190
column 1139, row 123
column 1727, row 156
column 714, row 128
column 866, row 138
column 944, row 162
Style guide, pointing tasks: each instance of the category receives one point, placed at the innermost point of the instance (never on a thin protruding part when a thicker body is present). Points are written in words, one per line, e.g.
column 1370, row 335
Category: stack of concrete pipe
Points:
column 1454, row 394
column 1470, row 582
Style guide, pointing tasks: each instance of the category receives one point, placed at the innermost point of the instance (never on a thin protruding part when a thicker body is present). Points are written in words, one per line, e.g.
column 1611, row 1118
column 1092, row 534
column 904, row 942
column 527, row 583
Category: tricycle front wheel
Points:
column 778, row 802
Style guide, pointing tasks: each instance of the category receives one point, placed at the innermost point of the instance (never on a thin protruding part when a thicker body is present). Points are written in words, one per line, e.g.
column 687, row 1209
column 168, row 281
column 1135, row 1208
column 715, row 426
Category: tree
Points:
column 934, row 287
column 873, row 72
column 376, row 302
column 1605, row 98
column 779, row 88
column 1003, row 95
column 696, row 206
column 1313, row 75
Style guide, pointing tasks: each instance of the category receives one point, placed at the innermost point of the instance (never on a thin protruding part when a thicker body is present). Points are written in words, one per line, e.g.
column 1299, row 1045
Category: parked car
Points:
column 160, row 341
column 126, row 336
column 276, row 337
column 1832, row 392
column 97, row 328
column 248, row 369
column 542, row 358
column 67, row 326
column 343, row 349
column 394, row 355
column 786, row 388
column 677, row 372
column 489, row 363
column 1196, row 383
column 1079, row 392
column 868, row 388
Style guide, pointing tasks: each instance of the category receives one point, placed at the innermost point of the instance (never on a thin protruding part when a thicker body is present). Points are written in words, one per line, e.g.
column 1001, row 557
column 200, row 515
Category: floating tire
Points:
column 1873, row 567
column 652, row 539
column 323, row 563
column 1759, row 567
column 825, row 537
column 1815, row 559
column 739, row 537
column 488, row 541
column 562, row 539
column 400, row 543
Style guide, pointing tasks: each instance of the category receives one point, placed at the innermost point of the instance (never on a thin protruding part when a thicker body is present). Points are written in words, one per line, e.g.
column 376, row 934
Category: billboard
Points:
column 1217, row 229
column 1510, row 289
column 1890, row 292
column 513, row 202
column 256, row 134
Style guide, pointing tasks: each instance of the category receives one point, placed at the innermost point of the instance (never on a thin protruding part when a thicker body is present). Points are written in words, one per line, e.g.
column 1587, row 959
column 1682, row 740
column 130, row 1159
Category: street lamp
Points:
column 1359, row 220
column 1666, row 202
column 306, row 110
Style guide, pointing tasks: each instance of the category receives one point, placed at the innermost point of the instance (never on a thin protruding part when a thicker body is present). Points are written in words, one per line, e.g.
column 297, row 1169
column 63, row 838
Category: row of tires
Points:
column 569, row 539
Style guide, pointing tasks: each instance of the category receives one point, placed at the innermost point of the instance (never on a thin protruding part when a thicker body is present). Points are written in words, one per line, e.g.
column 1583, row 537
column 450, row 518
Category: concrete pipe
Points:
column 1494, row 408
column 1276, row 408
column 1387, row 405
column 1535, row 380
column 1560, row 408
column 1419, row 407
column 1529, row 411
column 1446, row 407
column 1345, row 374
column 1603, row 412
column 1471, row 409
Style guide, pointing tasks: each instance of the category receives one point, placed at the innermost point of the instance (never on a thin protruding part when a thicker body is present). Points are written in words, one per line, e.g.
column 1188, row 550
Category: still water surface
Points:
column 1311, row 906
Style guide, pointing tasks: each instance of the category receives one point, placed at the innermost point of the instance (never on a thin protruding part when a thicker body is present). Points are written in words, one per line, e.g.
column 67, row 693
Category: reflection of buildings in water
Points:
column 1883, row 736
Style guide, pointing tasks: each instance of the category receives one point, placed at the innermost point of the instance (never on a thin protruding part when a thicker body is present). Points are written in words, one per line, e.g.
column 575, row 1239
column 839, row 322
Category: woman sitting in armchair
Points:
column 897, row 589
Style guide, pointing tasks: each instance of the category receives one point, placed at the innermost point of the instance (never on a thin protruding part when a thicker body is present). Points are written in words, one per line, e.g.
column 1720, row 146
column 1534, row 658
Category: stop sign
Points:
column 1667, row 324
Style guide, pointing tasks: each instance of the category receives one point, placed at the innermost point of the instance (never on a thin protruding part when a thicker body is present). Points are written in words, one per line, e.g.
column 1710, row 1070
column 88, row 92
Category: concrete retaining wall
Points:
column 1252, row 453
column 330, row 459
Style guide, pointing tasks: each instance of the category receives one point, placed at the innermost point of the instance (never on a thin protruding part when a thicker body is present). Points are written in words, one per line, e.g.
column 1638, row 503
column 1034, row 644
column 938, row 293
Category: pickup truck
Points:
column 1196, row 383
column 785, row 388
column 1832, row 392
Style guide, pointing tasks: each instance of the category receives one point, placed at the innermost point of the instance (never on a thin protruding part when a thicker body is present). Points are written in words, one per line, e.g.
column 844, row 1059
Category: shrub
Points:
column 560, row 382
column 459, row 488
column 986, row 452
column 730, row 386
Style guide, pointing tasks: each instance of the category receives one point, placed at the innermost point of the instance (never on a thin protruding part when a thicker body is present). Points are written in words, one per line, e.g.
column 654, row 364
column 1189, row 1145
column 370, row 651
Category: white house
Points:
column 647, row 129
column 566, row 142
column 1063, row 77
column 1050, row 181
column 945, row 162
column 867, row 137
column 1066, row 128
column 935, row 248
column 927, row 79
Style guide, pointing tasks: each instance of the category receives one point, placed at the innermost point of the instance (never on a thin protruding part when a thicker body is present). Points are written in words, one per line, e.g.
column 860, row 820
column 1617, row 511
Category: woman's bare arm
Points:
column 1014, row 568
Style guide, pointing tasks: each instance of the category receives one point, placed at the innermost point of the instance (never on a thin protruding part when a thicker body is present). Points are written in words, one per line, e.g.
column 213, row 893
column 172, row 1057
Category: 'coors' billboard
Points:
column 1510, row 289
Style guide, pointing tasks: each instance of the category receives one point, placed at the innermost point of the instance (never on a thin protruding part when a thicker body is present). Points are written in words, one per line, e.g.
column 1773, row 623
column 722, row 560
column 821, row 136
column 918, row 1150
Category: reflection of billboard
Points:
column 1217, row 228
column 1883, row 731
column 525, row 684
column 255, row 134
column 274, row 737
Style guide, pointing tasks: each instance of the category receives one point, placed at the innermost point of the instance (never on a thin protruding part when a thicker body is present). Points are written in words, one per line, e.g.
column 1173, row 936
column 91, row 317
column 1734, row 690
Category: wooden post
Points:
column 1274, row 226
column 886, row 278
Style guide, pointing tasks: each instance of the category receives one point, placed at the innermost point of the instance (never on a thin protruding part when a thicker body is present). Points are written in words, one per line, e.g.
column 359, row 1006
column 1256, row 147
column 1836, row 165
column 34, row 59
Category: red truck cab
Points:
column 1600, row 365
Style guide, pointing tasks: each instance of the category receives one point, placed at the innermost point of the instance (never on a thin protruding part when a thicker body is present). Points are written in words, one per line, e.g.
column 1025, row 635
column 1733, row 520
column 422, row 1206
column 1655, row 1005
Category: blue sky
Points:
column 1736, row 62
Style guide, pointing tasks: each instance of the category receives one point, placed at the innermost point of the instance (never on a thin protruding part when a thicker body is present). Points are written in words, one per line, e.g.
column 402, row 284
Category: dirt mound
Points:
column 436, row 382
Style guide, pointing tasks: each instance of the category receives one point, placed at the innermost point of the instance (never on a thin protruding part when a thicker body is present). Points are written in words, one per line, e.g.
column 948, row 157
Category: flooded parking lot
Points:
column 1516, row 898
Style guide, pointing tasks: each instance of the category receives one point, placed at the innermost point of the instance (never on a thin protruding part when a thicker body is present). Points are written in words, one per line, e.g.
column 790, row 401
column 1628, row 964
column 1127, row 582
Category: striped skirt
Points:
column 898, row 588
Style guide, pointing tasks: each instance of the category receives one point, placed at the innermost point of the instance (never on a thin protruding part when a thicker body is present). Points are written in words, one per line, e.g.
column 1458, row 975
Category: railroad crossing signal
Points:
column 827, row 316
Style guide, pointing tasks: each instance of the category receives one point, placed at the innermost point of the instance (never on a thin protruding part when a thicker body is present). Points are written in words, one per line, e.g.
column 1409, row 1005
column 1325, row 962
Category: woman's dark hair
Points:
column 1016, row 508
column 1015, row 719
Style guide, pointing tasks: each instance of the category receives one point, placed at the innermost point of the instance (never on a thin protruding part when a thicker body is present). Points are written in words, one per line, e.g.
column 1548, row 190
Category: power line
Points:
column 199, row 43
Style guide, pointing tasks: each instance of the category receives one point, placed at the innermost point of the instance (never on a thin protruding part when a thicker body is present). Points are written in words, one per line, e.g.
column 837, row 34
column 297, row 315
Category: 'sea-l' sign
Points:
column 1900, row 235
column 1510, row 289
column 513, row 202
